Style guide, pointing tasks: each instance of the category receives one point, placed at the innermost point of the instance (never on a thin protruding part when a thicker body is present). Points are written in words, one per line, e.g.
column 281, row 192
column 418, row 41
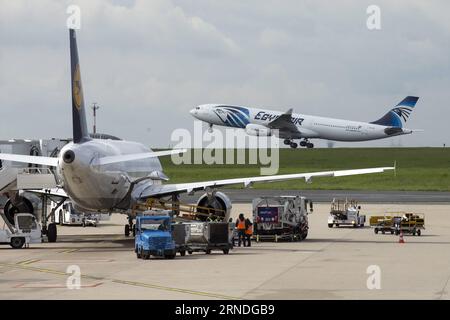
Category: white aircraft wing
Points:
column 167, row 189
column 284, row 123
column 53, row 162
column 136, row 156
column 45, row 161
column 56, row 192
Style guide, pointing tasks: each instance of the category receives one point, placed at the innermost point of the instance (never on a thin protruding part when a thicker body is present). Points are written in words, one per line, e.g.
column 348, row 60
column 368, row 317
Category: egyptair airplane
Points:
column 113, row 175
column 292, row 126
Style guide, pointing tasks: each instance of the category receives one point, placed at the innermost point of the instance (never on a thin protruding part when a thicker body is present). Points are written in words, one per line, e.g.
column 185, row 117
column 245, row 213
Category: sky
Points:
column 147, row 63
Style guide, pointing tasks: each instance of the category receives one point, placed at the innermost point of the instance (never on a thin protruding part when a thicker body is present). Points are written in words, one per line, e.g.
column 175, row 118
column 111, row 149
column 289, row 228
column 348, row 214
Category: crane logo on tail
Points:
column 77, row 91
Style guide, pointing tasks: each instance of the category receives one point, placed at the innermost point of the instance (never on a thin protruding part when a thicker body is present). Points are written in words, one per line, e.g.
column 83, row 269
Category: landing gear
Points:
column 303, row 143
column 210, row 129
column 306, row 143
column 290, row 143
column 52, row 232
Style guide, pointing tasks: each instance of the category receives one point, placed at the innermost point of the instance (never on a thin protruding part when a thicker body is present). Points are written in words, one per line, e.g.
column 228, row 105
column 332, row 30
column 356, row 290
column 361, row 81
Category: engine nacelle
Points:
column 214, row 200
column 23, row 202
column 258, row 130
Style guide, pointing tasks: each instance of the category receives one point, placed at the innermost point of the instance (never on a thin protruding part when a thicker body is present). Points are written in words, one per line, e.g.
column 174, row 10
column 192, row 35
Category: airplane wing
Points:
column 53, row 162
column 284, row 123
column 136, row 156
column 56, row 192
column 44, row 161
column 167, row 189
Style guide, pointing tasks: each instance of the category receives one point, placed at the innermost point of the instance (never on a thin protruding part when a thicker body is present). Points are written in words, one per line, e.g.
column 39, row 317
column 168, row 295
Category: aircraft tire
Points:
column 52, row 232
column 17, row 242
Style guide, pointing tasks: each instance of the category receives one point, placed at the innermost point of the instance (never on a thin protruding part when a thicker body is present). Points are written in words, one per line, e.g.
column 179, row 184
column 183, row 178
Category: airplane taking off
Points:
column 114, row 175
column 260, row 122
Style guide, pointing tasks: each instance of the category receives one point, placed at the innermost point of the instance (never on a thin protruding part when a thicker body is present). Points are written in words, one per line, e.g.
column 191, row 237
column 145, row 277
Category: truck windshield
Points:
column 161, row 225
column 73, row 211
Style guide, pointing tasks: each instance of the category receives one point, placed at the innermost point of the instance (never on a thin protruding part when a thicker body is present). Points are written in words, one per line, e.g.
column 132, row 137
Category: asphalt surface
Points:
column 332, row 263
column 247, row 195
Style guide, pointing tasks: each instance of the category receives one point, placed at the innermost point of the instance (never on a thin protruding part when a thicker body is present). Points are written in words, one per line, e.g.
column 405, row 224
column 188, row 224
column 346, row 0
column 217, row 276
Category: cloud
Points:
column 148, row 62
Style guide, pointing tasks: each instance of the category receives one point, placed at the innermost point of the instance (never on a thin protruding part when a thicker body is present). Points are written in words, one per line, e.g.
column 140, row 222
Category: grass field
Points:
column 418, row 169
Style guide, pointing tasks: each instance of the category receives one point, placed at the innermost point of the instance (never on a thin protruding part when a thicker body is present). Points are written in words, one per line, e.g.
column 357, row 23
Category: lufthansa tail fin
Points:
column 80, row 131
column 398, row 116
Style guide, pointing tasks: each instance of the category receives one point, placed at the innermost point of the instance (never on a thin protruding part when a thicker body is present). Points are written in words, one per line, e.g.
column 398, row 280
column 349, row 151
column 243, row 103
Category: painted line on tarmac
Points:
column 198, row 293
column 29, row 261
column 68, row 251
column 32, row 285
column 132, row 283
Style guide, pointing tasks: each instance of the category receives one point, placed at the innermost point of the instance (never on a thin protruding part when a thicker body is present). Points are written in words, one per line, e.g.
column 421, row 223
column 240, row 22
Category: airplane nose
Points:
column 193, row 112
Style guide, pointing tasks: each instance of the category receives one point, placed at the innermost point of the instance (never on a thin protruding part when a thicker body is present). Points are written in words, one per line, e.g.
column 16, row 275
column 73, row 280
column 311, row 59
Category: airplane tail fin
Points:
column 398, row 116
column 80, row 131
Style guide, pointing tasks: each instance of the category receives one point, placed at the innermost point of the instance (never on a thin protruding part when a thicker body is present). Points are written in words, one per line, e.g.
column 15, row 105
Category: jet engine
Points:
column 218, row 202
column 258, row 130
column 22, row 203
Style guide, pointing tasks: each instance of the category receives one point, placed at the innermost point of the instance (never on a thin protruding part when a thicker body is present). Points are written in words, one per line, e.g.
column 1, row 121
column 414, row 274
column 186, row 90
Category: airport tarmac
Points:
column 246, row 195
column 329, row 264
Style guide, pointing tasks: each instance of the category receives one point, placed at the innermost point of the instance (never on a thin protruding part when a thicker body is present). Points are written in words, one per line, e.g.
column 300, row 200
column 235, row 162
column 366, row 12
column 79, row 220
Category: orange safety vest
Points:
column 241, row 224
column 249, row 230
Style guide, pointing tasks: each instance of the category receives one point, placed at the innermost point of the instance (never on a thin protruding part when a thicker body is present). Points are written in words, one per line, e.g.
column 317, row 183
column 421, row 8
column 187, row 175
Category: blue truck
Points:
column 154, row 237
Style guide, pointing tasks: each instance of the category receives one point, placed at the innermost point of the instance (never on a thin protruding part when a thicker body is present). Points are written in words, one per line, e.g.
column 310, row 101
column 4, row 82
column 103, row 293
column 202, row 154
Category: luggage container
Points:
column 394, row 223
column 208, row 236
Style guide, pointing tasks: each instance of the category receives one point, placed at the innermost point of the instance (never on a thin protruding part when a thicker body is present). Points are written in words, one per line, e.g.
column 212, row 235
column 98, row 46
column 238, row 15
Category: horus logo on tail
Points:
column 403, row 112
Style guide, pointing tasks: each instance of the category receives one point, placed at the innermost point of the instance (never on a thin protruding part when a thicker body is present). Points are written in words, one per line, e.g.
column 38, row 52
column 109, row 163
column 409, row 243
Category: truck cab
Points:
column 66, row 214
column 25, row 230
column 154, row 237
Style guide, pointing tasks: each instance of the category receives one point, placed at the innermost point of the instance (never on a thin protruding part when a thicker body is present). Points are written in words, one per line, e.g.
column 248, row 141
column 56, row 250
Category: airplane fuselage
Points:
column 99, row 187
column 307, row 126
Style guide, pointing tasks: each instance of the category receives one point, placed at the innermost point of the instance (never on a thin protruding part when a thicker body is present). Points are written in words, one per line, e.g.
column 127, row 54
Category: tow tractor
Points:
column 281, row 218
column 154, row 237
column 25, row 230
column 345, row 213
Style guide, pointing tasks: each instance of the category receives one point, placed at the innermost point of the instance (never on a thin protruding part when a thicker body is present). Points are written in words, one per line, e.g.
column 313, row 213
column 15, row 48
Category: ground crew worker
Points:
column 240, row 226
column 248, row 232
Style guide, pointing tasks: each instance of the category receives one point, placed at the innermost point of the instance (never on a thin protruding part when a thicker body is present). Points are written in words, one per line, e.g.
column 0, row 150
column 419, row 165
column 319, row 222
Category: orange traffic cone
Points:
column 400, row 239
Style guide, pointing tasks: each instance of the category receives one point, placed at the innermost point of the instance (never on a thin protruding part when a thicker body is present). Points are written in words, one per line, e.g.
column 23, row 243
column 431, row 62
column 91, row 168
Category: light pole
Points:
column 95, row 107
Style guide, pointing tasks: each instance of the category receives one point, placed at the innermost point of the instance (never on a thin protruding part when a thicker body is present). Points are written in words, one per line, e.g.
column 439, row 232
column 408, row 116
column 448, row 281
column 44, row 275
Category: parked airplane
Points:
column 260, row 122
column 113, row 175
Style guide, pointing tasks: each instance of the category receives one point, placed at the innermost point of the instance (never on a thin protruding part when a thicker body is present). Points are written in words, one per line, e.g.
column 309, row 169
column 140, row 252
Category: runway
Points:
column 247, row 195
